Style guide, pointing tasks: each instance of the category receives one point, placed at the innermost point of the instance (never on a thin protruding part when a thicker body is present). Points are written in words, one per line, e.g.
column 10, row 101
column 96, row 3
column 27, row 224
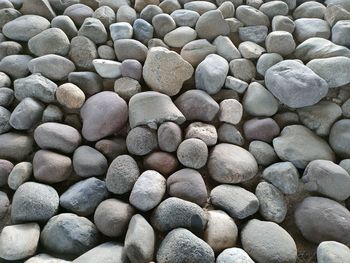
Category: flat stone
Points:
column 265, row 129
column 162, row 162
column 180, row 36
column 306, row 28
column 196, row 51
column 280, row 42
column 256, row 34
column 66, row 24
column 340, row 32
column 107, row 68
column 243, row 69
column 16, row 66
column 77, row 12
column 130, row 49
column 93, row 29
column 203, row 131
column 141, row 141
column 185, row 17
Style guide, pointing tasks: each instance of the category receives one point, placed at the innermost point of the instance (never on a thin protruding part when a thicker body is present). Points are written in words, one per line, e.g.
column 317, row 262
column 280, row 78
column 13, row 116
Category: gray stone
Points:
column 256, row 34
column 8, row 48
column 212, row 24
column 196, row 51
column 263, row 153
column 211, row 74
column 141, row 141
column 122, row 174
column 121, row 30
column 294, row 84
column 16, row 66
column 319, row 173
column 143, row 31
column 236, row 201
column 322, row 219
column 175, row 213
column 6, row 97
column 34, row 202
column 126, row 14
column 7, row 15
column 38, row 7
column 231, row 164
column 26, row 114
column 112, row 147
column 180, row 245
column 243, row 69
column 131, row 68
column 57, row 136
column 184, row 17
column 153, row 108
column 82, row 52
column 52, row 113
column 338, row 138
column 203, row 131
column 284, row 176
column 112, row 217
column 19, row 175
column 320, row 117
column 169, row 136
column 280, row 42
column 148, row 190
column 335, row 13
column 108, row 69
column 5, row 115
column 52, row 66
column 78, row 12
column 256, row 234
column 251, row 16
column 25, row 27
column 89, row 162
column 299, row 145
column 180, row 36
column 317, row 47
column 201, row 7
column 306, row 28
column 5, row 80
column 35, row 86
column 165, row 71
column 229, row 133
column 231, row 111
column 15, row 146
column 70, row 234
column 332, row 252
column 149, row 12
column 163, row 24
column 5, row 170
column 106, row 15
column 192, row 153
column 103, row 114
column 83, row 197
column 140, row 240
column 340, row 32
column 19, row 241
column 49, row 41
column 274, row 8
column 235, row 84
column 130, row 49
column 234, row 254
column 251, row 50
column 66, row 24
column 45, row 258
column 4, row 205
column 225, row 48
column 261, row 129
column 310, row 9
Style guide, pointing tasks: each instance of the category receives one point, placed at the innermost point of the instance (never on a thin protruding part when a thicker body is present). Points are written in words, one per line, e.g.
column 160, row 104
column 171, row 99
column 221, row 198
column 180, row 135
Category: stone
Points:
column 122, row 174
column 306, row 28
column 203, row 131
column 93, row 29
column 294, row 84
column 317, row 47
column 221, row 231
column 70, row 234
column 105, row 14
column 272, row 203
column 162, row 162
column 89, row 162
column 286, row 118
column 180, row 36
column 103, row 114
column 251, row 16
column 163, row 24
column 229, row 133
column 185, row 17
column 45, row 258
column 121, row 30
column 265, row 129
column 149, row 12
column 19, row 241
column 34, row 202
column 251, row 50
column 112, row 217
column 140, row 240
column 236, row 201
column 274, row 8
column 108, row 69
column 127, row 87
column 6, row 97
column 5, row 170
column 70, row 96
column 7, row 15
column 20, row 173
column 78, row 13
column 141, row 141
column 231, row 111
column 38, row 7
column 335, row 13
column 189, row 185
column 25, row 27
column 8, row 48
column 57, row 136
column 234, row 254
column 196, row 51
column 235, row 84
column 4, row 205
column 26, row 114
column 112, row 147
column 340, row 32
column 338, row 138
column 174, row 213
column 49, row 41
column 130, row 49
column 212, row 24
column 66, row 24
column 319, row 173
column 159, row 64
column 131, row 68
column 84, row 54
column 52, row 113
column 280, row 42
column 231, row 164
column 106, row 52
column 321, row 219
column 52, row 66
column 200, row 7
column 225, row 48
column 263, row 153
column 16, row 66
column 125, row 14
column 169, row 136
column 243, row 69
column 5, row 116
column 266, row 61
column 332, row 252
column 115, row 5
column 256, row 34
column 15, row 146
column 152, row 109
column 148, row 190
column 143, row 31
column 5, row 80
column 256, row 234
column 310, row 9
column 83, row 197
column 300, row 146
column 180, row 245
column 192, row 153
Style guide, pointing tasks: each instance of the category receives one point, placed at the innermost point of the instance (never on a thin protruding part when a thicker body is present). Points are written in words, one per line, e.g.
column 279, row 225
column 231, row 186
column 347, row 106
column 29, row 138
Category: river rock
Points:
column 169, row 136
column 232, row 255
column 338, row 138
column 19, row 175
column 212, row 24
column 332, row 252
column 196, row 51
column 192, row 153
column 89, row 162
column 15, row 146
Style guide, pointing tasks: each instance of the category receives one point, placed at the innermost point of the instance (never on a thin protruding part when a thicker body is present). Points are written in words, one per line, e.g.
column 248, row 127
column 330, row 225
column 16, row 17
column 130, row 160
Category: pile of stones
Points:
column 175, row 131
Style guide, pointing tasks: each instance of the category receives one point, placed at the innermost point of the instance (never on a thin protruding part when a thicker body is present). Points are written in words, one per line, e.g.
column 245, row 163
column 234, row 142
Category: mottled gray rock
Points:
column 243, row 69
column 332, row 252
column 126, row 14
column 89, row 162
column 299, row 145
column 236, row 201
column 185, row 17
column 7, row 15
column 38, row 7
column 196, row 51
column 35, row 86
column 225, row 48
column 93, row 29
column 174, row 213
column 212, row 24
column 19, row 241
column 221, row 231
column 153, row 108
column 256, row 34
column 121, row 30
column 83, row 197
column 112, row 217
column 280, row 42
column 322, row 219
column 192, row 153
column 263, row 153
column 132, row 68
column 105, row 14
column 148, row 190
column 141, row 141
column 5, row 116
column 34, row 202
column 229, row 133
column 5, row 169
column 306, row 28
column 235, row 84
column 8, row 48
column 57, row 136
column 25, row 27
column 295, row 84
column 251, row 50
column 108, row 69
column 70, row 234
column 6, row 97
column 338, row 138
column 169, row 136
column 4, row 205
column 234, row 255
column 130, row 49
column 200, row 7
column 5, row 80
column 15, row 146
column 284, row 176
column 203, row 131
column 256, row 234
column 83, row 53
column 77, row 12
column 340, row 32
column 66, row 24
column 310, row 9
column 16, row 66
column 19, row 175
column 180, row 36
column 26, row 114
column 180, row 245
column 265, row 129
column 251, row 16
column 52, row 113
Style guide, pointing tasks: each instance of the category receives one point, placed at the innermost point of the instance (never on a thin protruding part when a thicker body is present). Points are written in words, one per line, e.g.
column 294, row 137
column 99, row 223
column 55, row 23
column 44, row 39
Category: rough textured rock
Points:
column 332, row 252
column 338, row 138
column 212, row 24
column 233, row 255
column 192, row 153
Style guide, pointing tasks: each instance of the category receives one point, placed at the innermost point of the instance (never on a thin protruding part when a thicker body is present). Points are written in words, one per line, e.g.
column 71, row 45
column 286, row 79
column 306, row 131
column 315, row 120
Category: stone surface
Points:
column 338, row 138
column 212, row 24
column 231, row 111
column 15, row 146
column 192, row 153
column 169, row 136
column 233, row 255
column 196, row 51
column 89, row 162
column 265, row 129
column 332, row 252
column 107, row 68
column 20, row 173
column 141, row 141
column 205, row 132
column 70, row 96
column 263, row 153
column 26, row 114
